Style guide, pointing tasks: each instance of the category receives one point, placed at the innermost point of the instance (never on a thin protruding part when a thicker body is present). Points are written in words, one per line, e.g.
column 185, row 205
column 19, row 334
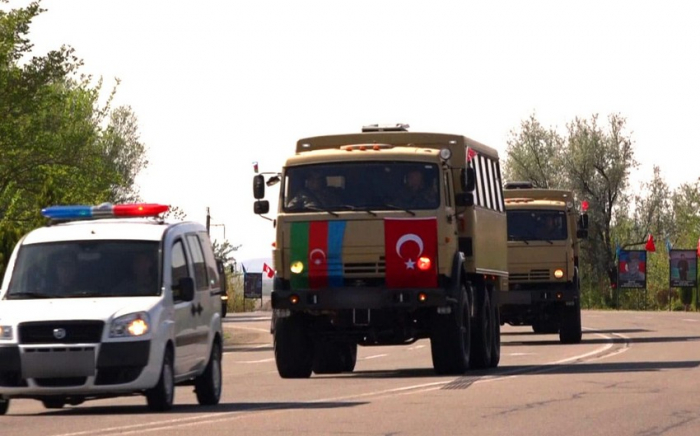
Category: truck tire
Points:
column 294, row 349
column 496, row 349
column 208, row 385
column 450, row 338
column 350, row 357
column 329, row 358
column 570, row 330
column 482, row 331
column 53, row 403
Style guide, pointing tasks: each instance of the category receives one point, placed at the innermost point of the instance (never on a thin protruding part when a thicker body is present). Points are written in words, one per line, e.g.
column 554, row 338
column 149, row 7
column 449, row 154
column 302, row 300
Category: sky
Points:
column 219, row 84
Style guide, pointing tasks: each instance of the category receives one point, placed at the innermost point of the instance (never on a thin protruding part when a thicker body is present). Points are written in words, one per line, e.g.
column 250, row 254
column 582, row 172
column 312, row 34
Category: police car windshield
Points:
column 361, row 186
column 536, row 225
column 86, row 269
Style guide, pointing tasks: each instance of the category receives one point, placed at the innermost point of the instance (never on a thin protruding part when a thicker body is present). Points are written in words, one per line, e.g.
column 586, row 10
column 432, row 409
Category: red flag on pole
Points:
column 471, row 153
column 268, row 270
column 410, row 252
column 698, row 247
column 650, row 243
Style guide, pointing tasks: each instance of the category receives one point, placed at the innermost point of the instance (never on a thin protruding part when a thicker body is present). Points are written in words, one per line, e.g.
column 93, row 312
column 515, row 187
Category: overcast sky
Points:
column 218, row 84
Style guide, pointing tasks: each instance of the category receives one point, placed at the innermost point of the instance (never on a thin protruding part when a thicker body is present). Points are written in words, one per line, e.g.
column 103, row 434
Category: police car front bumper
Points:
column 75, row 369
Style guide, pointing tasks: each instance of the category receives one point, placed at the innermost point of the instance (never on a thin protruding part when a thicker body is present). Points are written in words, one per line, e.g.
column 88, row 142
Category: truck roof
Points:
column 457, row 143
column 538, row 197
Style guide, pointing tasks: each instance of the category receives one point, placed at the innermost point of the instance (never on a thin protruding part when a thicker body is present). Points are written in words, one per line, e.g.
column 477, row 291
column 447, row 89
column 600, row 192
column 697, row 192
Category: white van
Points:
column 110, row 300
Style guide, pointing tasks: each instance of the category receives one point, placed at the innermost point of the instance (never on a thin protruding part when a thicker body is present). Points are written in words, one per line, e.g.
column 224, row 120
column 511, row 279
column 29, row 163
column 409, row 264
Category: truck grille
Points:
column 60, row 332
column 533, row 275
column 354, row 269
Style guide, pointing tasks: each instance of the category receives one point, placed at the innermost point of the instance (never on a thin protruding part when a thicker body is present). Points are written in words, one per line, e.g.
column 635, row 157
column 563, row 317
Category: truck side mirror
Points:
column 258, row 186
column 261, row 207
column 464, row 199
column 468, row 176
column 583, row 221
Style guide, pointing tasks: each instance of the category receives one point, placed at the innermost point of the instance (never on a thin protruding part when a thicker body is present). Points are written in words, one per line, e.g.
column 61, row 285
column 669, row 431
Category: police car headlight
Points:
column 6, row 333
column 133, row 324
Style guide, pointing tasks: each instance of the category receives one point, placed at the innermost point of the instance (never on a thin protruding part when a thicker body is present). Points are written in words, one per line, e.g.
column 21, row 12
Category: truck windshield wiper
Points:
column 358, row 209
column 320, row 209
column 518, row 238
column 394, row 207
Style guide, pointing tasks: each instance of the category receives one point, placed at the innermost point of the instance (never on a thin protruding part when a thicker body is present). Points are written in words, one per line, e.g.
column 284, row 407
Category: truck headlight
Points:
column 558, row 273
column 133, row 324
column 297, row 267
column 6, row 333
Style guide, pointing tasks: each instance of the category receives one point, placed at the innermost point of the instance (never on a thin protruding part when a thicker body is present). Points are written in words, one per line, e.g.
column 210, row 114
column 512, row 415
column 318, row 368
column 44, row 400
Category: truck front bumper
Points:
column 530, row 297
column 358, row 298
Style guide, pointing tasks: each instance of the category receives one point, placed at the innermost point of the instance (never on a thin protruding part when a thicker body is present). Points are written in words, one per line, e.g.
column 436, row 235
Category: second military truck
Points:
column 385, row 237
column 544, row 228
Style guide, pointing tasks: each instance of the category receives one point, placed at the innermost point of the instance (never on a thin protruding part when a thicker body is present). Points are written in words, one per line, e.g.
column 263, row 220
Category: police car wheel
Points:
column 208, row 385
column 160, row 397
column 4, row 405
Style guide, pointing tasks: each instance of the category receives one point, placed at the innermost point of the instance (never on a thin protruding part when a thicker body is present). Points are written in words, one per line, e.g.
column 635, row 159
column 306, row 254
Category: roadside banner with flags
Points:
column 268, row 271
column 410, row 252
column 318, row 246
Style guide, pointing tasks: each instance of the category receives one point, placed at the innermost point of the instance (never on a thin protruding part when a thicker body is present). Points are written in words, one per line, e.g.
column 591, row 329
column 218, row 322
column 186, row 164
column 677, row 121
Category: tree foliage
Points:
column 58, row 143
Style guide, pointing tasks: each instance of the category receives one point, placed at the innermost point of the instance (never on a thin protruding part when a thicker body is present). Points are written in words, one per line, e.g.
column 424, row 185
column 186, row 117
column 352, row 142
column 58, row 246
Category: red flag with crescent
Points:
column 410, row 246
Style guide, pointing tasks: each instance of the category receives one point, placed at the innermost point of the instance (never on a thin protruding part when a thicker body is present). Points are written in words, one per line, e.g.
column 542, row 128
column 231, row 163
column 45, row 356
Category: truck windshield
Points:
column 75, row 269
column 536, row 225
column 367, row 186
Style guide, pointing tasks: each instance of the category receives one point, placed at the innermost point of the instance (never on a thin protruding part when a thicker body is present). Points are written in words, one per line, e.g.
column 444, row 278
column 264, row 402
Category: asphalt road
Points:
column 634, row 373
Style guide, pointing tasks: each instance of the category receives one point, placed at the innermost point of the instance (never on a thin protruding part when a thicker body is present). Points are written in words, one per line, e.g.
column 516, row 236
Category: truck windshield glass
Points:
column 75, row 269
column 361, row 186
column 536, row 225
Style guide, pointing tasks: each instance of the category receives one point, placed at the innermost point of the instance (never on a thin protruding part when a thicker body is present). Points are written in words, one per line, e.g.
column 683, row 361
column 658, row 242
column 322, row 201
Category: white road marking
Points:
column 255, row 361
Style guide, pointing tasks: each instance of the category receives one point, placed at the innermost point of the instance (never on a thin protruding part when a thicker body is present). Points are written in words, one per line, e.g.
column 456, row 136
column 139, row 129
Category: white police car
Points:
column 110, row 300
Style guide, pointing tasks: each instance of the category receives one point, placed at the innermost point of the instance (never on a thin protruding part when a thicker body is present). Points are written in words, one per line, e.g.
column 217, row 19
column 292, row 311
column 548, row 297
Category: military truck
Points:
column 544, row 228
column 358, row 261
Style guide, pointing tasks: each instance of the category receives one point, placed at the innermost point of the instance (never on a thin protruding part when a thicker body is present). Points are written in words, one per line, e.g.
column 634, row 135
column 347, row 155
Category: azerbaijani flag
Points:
column 318, row 245
column 408, row 243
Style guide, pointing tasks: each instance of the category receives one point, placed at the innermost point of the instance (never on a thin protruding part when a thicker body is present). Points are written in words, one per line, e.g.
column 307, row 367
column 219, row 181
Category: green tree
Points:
column 59, row 145
column 535, row 154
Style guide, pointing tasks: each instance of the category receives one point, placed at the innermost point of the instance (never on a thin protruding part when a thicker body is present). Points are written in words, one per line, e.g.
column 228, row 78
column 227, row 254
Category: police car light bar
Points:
column 104, row 211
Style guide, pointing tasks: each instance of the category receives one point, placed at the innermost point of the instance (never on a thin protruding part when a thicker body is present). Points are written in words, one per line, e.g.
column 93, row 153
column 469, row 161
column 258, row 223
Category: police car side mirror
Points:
column 258, row 186
column 185, row 286
column 261, row 207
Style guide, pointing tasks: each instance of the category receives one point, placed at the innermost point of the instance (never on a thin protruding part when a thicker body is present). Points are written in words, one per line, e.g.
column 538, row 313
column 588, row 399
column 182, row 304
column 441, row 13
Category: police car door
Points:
column 201, row 306
column 185, row 332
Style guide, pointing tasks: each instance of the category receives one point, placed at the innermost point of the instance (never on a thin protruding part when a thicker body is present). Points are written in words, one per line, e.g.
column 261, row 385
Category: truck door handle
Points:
column 196, row 309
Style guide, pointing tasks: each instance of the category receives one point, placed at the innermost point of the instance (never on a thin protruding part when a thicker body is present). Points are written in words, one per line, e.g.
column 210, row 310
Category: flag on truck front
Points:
column 410, row 246
column 318, row 247
column 267, row 269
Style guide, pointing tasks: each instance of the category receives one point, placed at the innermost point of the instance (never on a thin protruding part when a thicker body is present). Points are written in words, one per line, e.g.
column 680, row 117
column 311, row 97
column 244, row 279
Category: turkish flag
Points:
column 408, row 242
column 268, row 270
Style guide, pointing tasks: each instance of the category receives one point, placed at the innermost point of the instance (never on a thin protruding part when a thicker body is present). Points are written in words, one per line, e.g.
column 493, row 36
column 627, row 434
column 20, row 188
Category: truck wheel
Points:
column 496, row 348
column 160, row 398
column 482, row 331
column 4, row 405
column 208, row 385
column 570, row 331
column 450, row 338
column 350, row 357
column 294, row 350
column 329, row 358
